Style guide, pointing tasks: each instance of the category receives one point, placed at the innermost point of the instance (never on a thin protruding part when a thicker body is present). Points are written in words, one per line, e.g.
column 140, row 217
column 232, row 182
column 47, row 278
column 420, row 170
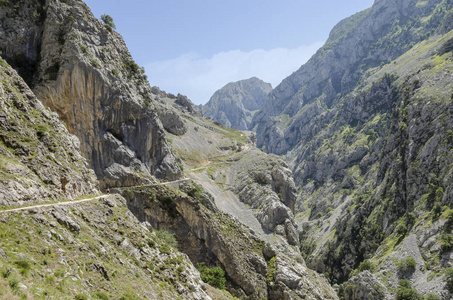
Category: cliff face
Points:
column 39, row 159
column 235, row 104
column 82, row 69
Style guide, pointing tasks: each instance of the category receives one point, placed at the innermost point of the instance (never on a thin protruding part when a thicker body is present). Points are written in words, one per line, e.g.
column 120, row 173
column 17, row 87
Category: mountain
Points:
column 81, row 69
column 365, row 125
column 235, row 104
column 225, row 231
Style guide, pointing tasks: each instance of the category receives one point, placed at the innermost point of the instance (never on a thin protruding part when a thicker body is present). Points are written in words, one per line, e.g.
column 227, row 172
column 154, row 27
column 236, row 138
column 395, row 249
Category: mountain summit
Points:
column 235, row 104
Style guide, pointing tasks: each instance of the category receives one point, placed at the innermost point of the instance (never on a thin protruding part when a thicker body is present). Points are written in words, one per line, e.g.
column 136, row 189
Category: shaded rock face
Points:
column 205, row 235
column 39, row 159
column 83, row 71
column 254, row 270
column 235, row 104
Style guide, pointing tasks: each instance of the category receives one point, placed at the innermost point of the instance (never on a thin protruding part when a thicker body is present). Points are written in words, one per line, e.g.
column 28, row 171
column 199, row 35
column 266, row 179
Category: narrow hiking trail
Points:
column 52, row 204
column 71, row 202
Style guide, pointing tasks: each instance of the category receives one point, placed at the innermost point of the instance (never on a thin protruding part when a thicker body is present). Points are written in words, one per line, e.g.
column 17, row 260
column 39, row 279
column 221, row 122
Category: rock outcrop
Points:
column 235, row 104
column 265, row 183
column 82, row 70
column 39, row 159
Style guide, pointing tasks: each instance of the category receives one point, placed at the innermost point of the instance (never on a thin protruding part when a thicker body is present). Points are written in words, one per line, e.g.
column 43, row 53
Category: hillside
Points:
column 235, row 104
column 365, row 127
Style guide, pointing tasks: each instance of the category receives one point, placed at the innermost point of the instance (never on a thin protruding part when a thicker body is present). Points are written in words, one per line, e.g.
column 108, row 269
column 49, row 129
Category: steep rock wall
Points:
column 82, row 69
column 39, row 159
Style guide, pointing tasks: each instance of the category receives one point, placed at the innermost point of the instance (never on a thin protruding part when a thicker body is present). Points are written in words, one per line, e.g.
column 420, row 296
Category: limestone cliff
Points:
column 235, row 104
column 82, row 70
column 39, row 159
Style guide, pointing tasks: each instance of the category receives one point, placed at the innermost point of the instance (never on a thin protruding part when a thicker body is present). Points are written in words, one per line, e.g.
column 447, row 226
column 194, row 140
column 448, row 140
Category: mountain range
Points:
column 113, row 189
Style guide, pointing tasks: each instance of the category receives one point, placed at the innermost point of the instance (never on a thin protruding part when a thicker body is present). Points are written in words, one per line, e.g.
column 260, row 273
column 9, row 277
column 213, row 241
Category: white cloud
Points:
column 199, row 77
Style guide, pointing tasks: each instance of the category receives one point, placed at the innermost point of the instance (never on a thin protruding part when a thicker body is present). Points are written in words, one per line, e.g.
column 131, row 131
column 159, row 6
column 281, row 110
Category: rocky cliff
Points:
column 235, row 104
column 82, row 70
column 255, row 270
column 39, row 159
column 365, row 126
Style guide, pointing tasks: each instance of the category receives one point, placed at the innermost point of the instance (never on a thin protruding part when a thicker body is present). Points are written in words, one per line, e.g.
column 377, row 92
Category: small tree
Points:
column 108, row 21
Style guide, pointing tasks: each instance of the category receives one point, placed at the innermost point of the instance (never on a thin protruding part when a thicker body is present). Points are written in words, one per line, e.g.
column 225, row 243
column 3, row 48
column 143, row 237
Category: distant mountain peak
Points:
column 235, row 104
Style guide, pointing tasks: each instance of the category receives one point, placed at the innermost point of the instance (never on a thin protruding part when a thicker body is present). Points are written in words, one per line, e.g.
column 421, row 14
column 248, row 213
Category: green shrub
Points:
column 101, row 295
column 131, row 67
column 401, row 229
column 448, row 278
column 407, row 265
column 212, row 276
column 365, row 265
column 405, row 291
column 446, row 241
column 271, row 269
column 108, row 21
column 80, row 297
column 437, row 209
column 23, row 265
column 94, row 62
column 6, row 272
column 13, row 283
column 167, row 237
column 432, row 297
column 41, row 129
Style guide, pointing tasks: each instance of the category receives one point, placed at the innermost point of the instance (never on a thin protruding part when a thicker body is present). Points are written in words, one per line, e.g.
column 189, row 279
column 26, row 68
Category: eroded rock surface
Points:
column 82, row 70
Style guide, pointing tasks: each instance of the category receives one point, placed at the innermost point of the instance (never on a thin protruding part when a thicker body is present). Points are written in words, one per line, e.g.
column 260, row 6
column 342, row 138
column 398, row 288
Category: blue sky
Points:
column 196, row 47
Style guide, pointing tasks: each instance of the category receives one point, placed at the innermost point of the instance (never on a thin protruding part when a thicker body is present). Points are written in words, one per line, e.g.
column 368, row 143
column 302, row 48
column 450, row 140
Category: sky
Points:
column 196, row 47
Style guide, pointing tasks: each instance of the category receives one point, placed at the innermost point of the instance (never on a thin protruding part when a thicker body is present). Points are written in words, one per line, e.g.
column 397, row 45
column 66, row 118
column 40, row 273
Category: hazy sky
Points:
column 196, row 47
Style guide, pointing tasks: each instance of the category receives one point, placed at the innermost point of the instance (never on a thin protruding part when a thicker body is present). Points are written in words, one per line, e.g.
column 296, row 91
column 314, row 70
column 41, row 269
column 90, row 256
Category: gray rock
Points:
column 172, row 122
column 235, row 103
column 268, row 251
column 63, row 219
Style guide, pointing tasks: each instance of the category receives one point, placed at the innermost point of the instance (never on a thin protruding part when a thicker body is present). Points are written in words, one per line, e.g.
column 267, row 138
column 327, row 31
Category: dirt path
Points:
column 52, row 204
column 70, row 202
